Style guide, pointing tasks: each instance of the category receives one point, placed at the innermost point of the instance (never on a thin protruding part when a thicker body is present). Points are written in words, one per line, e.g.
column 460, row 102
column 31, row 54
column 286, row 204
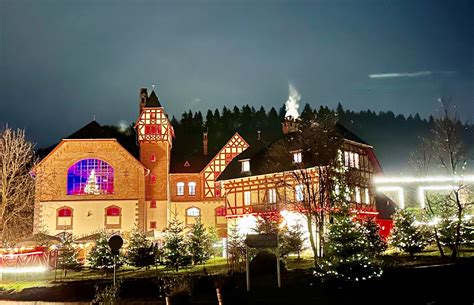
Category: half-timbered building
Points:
column 91, row 181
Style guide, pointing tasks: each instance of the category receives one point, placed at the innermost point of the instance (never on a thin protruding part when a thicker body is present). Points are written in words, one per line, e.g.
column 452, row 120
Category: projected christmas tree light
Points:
column 90, row 177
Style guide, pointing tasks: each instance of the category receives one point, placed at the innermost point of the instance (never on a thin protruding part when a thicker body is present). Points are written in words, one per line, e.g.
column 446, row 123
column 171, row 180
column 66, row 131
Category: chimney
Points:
column 143, row 95
column 204, row 143
column 289, row 125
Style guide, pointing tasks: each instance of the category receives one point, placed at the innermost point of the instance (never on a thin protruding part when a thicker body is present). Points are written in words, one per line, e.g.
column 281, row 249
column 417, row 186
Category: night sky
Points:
column 62, row 62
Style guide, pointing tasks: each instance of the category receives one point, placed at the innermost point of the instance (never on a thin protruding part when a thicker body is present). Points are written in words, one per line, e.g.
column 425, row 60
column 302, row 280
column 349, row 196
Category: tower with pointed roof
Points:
column 155, row 139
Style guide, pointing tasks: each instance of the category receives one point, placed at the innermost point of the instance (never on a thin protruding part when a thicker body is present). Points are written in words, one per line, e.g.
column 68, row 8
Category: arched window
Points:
column 113, row 217
column 192, row 188
column 90, row 177
column 64, row 218
column 180, row 188
column 220, row 213
column 192, row 214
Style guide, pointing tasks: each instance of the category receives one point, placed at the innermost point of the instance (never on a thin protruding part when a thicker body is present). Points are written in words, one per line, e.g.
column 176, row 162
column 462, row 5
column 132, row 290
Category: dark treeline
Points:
column 394, row 137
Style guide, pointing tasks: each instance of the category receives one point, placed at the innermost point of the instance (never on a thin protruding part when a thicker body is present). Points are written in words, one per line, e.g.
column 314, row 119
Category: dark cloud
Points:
column 62, row 62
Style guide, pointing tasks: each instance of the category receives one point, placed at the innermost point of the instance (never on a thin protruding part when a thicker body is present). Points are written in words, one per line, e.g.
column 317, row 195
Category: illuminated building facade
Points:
column 90, row 181
column 252, row 189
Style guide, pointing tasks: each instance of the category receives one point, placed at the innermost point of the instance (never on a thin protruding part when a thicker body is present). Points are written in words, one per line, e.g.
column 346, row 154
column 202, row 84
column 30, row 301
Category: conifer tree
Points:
column 140, row 252
column 346, row 256
column 68, row 255
column 406, row 235
column 175, row 250
column 200, row 244
column 294, row 239
column 101, row 257
column 235, row 247
column 376, row 244
column 270, row 224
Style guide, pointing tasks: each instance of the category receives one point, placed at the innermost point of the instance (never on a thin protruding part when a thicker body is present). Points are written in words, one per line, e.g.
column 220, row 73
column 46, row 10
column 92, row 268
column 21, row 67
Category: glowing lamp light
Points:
column 292, row 218
column 20, row 270
column 246, row 223
column 421, row 191
column 398, row 189
column 456, row 179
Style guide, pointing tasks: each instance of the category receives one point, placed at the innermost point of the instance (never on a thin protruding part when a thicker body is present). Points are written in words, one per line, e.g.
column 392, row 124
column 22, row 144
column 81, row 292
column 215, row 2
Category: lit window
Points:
column 351, row 159
column 64, row 218
column 299, row 195
column 193, row 212
column 247, row 198
column 357, row 194
column 272, row 196
column 113, row 217
column 90, row 177
column 192, row 188
column 152, row 224
column 246, row 166
column 153, row 204
column 367, row 195
column 152, row 157
column 356, row 160
column 180, row 188
column 297, row 158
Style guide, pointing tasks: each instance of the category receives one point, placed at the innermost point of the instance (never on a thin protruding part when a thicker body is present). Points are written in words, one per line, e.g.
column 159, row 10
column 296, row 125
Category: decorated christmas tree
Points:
column 101, row 257
column 347, row 257
column 175, row 249
column 92, row 187
column 140, row 251
column 200, row 244
column 406, row 234
column 68, row 255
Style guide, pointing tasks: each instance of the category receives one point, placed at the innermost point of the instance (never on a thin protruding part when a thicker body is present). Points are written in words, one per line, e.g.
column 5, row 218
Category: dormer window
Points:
column 245, row 165
column 297, row 157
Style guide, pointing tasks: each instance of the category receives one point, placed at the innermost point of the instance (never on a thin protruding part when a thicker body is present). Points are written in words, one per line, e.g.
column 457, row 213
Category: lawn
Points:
column 392, row 259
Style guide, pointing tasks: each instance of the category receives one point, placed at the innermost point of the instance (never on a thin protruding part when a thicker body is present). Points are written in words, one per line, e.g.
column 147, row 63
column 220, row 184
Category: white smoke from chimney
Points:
column 292, row 104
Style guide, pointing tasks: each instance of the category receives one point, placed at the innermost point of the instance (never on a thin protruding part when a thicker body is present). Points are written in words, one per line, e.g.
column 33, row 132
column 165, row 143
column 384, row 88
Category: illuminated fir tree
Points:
column 347, row 257
column 68, row 255
column 175, row 249
column 101, row 257
column 140, row 251
column 199, row 243
column 92, row 187
column 406, row 234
